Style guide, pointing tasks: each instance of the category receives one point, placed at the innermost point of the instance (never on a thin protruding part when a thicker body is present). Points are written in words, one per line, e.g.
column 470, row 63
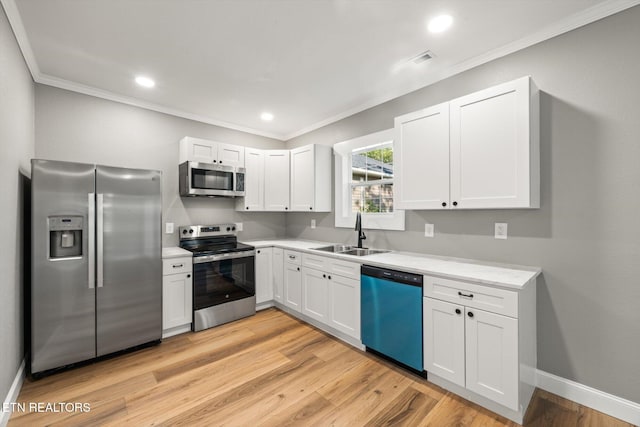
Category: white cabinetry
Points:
column 331, row 293
column 176, row 295
column 480, row 151
column 311, row 179
column 278, row 275
column 202, row 150
column 264, row 277
column 292, row 280
column 479, row 341
column 276, row 180
column 254, row 182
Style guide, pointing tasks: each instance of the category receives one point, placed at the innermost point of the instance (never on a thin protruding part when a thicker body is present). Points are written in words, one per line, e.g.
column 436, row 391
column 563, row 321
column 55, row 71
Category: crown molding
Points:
column 587, row 16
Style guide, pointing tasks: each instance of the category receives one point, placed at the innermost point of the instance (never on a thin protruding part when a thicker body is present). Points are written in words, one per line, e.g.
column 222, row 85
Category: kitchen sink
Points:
column 335, row 248
column 364, row 251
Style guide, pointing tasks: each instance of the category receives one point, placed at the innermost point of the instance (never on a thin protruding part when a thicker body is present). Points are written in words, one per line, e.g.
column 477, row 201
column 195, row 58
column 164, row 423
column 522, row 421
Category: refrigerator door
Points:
column 62, row 280
column 128, row 258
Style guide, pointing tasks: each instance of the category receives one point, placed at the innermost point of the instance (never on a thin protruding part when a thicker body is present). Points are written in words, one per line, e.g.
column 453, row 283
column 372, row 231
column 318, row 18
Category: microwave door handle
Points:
column 100, row 240
column 91, row 225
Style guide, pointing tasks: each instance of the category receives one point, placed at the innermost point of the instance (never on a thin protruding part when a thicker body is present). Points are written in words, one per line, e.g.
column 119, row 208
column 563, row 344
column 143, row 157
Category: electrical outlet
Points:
column 169, row 228
column 428, row 230
column 313, row 223
column 238, row 226
column 501, row 230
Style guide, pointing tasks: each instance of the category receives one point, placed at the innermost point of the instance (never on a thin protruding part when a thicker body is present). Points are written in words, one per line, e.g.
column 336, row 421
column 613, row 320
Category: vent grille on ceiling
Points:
column 424, row 56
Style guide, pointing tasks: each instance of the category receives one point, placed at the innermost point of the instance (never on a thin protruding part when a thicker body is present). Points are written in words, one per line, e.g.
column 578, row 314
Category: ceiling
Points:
column 308, row 62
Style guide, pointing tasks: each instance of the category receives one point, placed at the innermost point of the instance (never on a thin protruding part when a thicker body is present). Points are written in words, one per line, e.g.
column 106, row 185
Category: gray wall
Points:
column 16, row 148
column 80, row 128
column 586, row 235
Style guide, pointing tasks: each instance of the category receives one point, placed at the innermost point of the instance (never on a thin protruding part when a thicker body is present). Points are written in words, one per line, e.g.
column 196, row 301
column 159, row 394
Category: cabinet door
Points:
column 253, row 199
column 264, row 275
column 344, row 305
column 292, row 286
column 278, row 274
column 276, row 186
column 231, row 155
column 444, row 353
column 302, row 178
column 421, row 155
column 198, row 150
column 176, row 300
column 315, row 294
column 492, row 356
column 490, row 147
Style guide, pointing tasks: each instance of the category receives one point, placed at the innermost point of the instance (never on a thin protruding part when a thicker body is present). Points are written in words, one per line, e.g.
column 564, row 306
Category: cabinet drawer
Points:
column 292, row 257
column 176, row 265
column 344, row 268
column 494, row 300
column 314, row 261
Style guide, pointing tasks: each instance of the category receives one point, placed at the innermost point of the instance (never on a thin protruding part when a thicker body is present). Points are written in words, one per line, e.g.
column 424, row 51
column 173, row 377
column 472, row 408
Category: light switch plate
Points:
column 313, row 223
column 501, row 230
column 238, row 226
column 169, row 228
column 428, row 230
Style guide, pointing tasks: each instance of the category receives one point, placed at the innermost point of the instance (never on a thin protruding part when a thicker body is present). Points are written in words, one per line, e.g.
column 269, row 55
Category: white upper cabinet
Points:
column 480, row 151
column 276, row 180
column 311, row 179
column 254, row 182
column 495, row 147
column 202, row 150
column 422, row 159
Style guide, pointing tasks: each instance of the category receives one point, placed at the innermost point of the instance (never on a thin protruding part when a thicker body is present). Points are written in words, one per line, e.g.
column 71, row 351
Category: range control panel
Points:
column 193, row 231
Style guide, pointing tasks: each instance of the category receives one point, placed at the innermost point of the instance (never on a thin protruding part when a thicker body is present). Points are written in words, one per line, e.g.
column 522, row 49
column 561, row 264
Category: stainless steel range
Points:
column 224, row 285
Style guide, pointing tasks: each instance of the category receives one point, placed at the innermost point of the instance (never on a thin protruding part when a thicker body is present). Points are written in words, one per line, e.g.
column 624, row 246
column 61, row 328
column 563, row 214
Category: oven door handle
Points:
column 220, row 257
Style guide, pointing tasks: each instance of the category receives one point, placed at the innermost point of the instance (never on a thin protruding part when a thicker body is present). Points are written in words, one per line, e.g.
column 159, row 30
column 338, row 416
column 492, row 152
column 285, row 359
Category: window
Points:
column 364, row 182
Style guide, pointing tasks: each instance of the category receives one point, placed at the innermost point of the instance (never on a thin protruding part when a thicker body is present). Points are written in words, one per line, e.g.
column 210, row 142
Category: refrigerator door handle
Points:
column 91, row 204
column 100, row 239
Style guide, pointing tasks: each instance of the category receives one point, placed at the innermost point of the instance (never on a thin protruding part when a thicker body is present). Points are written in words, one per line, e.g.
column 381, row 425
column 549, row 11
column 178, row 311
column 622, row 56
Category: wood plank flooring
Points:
column 267, row 370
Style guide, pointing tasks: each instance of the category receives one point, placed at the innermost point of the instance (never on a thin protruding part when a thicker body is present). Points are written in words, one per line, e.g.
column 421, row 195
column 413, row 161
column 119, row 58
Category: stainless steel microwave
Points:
column 211, row 180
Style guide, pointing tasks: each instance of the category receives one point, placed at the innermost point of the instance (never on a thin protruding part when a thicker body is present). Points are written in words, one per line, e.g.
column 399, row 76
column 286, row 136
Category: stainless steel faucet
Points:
column 361, row 235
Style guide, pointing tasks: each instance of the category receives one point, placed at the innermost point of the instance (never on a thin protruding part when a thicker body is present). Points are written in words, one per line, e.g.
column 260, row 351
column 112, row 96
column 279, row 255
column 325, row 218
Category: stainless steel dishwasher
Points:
column 391, row 315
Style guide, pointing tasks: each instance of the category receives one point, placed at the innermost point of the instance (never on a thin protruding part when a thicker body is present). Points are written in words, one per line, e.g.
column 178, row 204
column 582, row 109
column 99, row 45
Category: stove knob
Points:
column 184, row 231
column 228, row 228
column 191, row 231
column 233, row 228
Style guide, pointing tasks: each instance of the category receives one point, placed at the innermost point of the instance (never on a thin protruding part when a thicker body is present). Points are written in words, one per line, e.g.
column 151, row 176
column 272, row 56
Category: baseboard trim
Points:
column 615, row 406
column 12, row 396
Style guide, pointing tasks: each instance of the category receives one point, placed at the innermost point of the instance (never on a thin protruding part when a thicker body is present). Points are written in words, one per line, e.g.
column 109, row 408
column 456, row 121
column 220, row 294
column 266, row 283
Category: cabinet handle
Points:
column 178, row 265
column 455, row 203
column 310, row 208
column 329, row 277
column 465, row 295
column 258, row 251
column 215, row 161
column 286, row 208
column 444, row 204
column 188, row 275
column 324, row 276
column 470, row 314
column 298, row 268
column 220, row 161
column 292, row 257
column 458, row 311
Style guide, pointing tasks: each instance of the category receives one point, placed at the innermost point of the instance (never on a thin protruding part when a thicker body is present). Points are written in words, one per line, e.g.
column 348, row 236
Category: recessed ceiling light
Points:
column 440, row 23
column 145, row 81
column 267, row 117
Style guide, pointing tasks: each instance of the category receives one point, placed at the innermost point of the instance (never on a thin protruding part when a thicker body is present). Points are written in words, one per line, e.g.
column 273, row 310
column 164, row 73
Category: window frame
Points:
column 344, row 216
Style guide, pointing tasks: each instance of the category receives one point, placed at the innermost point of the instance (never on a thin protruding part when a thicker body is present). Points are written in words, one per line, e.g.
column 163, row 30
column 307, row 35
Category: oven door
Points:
column 223, row 278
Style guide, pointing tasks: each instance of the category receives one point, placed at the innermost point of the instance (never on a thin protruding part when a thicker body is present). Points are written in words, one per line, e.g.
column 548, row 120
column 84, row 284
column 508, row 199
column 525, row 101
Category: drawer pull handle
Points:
column 178, row 265
column 292, row 257
column 465, row 295
column 458, row 311
column 470, row 314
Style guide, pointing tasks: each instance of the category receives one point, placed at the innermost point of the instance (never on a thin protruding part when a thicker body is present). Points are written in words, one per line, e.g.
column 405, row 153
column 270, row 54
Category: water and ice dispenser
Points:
column 65, row 237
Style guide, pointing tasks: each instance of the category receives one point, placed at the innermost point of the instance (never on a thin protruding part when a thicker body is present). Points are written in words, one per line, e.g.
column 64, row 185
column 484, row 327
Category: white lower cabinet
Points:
column 278, row 275
column 264, row 276
column 315, row 294
column 292, row 280
column 344, row 305
column 177, row 291
column 478, row 353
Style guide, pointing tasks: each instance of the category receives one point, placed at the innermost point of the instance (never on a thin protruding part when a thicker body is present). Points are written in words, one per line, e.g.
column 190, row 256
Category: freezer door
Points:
column 128, row 258
column 62, row 294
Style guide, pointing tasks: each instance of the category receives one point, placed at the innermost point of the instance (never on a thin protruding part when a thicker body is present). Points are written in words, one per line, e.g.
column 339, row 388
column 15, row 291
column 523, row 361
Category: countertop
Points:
column 488, row 273
column 175, row 252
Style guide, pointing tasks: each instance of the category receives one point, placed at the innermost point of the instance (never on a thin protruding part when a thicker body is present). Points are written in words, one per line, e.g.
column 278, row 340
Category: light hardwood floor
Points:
column 268, row 370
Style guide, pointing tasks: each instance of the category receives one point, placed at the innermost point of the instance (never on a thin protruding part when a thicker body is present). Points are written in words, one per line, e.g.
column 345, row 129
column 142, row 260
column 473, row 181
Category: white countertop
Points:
column 503, row 275
column 175, row 252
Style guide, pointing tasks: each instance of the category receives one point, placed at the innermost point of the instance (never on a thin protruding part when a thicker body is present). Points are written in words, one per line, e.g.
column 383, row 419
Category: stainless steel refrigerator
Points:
column 96, row 265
